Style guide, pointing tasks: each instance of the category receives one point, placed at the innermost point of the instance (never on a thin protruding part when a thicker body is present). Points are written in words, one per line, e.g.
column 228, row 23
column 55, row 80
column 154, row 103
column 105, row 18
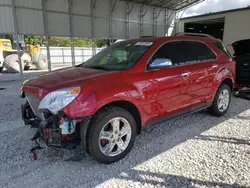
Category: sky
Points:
column 215, row 6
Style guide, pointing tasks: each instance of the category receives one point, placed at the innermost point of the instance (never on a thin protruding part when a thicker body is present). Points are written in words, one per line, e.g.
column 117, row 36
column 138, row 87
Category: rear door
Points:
column 242, row 57
column 203, row 68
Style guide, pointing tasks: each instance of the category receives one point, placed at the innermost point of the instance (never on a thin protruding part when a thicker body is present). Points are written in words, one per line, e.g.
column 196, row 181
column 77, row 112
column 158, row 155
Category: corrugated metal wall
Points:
column 61, row 56
column 237, row 25
column 30, row 20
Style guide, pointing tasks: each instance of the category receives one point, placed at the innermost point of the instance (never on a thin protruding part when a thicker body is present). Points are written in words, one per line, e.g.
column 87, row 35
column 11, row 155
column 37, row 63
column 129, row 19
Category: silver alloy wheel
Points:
column 115, row 136
column 223, row 100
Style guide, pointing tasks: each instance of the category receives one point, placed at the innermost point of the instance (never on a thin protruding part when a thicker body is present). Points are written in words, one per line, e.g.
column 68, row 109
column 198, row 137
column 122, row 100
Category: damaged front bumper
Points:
column 56, row 130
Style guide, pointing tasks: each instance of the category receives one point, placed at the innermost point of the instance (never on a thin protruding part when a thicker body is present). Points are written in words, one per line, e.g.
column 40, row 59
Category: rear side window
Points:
column 174, row 51
column 222, row 48
column 199, row 52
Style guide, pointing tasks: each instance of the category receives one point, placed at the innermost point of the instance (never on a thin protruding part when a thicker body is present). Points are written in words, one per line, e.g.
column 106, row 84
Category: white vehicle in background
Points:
column 120, row 40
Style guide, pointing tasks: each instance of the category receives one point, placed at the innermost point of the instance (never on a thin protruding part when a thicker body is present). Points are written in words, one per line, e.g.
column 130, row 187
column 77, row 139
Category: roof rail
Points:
column 195, row 34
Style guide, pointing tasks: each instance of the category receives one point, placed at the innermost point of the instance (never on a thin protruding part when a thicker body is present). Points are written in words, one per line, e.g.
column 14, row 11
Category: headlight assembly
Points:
column 59, row 99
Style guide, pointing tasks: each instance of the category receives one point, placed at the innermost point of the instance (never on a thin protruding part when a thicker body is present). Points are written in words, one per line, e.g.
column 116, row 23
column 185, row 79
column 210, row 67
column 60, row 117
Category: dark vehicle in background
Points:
column 242, row 58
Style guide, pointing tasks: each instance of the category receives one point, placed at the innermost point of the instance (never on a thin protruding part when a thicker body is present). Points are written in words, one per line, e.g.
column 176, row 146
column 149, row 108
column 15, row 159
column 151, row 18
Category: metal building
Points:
column 110, row 19
column 230, row 26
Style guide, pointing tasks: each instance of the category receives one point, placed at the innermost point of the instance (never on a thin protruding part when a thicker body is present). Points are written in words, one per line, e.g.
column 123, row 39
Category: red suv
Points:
column 102, row 104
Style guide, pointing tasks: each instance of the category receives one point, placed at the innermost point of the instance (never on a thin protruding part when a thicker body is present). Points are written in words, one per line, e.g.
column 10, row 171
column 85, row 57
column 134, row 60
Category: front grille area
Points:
column 34, row 103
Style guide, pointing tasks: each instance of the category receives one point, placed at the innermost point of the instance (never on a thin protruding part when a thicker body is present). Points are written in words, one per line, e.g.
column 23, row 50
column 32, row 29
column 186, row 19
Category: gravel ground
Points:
column 193, row 151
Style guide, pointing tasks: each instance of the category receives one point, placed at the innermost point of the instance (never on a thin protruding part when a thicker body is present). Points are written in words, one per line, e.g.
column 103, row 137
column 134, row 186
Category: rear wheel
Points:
column 1, row 69
column 221, row 101
column 111, row 135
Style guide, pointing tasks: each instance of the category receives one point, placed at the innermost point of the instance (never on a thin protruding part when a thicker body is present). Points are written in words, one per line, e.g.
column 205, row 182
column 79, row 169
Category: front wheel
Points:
column 111, row 135
column 221, row 101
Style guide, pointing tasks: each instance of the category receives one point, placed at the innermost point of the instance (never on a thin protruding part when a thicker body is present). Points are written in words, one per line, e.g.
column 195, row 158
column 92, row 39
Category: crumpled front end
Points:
column 52, row 130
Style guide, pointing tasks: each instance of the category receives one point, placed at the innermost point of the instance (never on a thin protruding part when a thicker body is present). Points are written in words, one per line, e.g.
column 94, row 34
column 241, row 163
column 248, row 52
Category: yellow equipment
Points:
column 31, row 55
column 31, row 49
column 5, row 44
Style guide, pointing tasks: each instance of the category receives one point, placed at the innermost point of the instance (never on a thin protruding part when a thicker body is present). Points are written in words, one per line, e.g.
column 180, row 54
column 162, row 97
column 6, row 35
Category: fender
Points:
column 223, row 74
column 89, row 104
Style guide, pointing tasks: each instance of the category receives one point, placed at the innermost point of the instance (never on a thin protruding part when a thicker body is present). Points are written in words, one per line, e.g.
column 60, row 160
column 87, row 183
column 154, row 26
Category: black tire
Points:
column 11, row 63
column 26, row 68
column 1, row 69
column 94, row 130
column 42, row 62
column 214, row 109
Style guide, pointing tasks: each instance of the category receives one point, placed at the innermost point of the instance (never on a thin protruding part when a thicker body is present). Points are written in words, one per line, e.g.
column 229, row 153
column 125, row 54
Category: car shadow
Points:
column 223, row 139
column 243, row 117
column 169, row 180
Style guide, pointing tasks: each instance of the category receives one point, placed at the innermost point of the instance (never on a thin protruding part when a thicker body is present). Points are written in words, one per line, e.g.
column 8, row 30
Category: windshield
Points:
column 118, row 57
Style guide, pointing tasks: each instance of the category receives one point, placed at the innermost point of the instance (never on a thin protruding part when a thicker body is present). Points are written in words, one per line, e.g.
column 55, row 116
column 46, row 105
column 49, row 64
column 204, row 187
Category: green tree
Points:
column 100, row 42
column 32, row 39
column 59, row 41
column 65, row 41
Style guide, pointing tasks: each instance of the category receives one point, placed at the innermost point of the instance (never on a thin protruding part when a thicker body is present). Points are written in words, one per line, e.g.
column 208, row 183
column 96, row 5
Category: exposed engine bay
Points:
column 53, row 130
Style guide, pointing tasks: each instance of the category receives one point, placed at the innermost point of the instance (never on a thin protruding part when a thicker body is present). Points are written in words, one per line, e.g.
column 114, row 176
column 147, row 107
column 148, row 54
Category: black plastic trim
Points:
column 182, row 113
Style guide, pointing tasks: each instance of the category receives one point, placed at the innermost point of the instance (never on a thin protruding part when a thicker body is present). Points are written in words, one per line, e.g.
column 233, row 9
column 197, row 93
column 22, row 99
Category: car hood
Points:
column 241, row 47
column 75, row 76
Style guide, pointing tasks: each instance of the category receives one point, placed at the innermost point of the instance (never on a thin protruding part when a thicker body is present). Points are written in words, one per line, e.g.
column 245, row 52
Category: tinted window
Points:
column 199, row 52
column 174, row 51
column 222, row 48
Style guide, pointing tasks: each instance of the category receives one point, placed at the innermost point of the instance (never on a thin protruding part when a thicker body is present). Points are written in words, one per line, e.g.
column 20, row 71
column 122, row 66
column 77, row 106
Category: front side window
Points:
column 174, row 51
column 119, row 56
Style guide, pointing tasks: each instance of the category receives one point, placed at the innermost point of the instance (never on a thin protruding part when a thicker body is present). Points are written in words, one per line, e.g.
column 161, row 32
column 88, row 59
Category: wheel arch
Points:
column 229, row 82
column 226, row 80
column 130, row 107
column 224, row 76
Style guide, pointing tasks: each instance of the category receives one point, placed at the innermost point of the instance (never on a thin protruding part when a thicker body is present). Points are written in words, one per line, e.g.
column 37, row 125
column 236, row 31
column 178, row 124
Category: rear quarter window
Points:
column 199, row 52
column 222, row 48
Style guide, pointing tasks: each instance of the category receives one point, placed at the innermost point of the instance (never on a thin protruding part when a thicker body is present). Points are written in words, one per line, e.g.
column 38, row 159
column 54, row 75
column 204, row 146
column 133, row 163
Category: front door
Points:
column 171, row 82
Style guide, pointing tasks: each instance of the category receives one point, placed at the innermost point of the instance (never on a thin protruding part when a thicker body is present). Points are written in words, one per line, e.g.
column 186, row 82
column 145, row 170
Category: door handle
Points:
column 185, row 74
column 215, row 66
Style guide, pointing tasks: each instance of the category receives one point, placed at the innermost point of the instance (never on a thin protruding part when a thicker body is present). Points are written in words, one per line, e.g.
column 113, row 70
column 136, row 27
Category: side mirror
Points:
column 161, row 63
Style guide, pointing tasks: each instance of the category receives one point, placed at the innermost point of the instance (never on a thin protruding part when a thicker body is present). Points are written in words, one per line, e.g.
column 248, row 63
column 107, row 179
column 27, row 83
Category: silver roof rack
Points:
column 195, row 34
